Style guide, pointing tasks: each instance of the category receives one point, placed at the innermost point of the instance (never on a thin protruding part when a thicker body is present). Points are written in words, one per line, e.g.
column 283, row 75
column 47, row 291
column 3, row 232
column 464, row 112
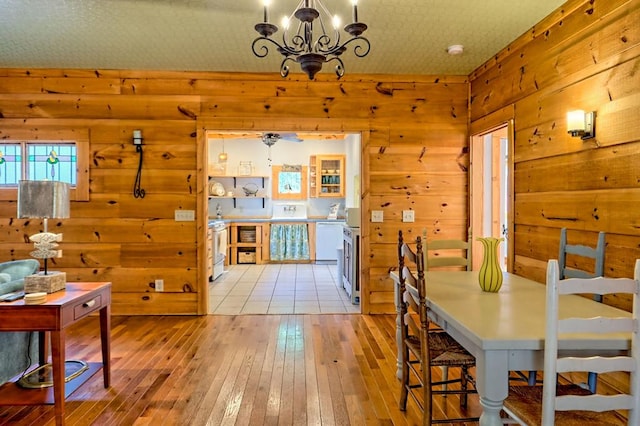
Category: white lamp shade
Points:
column 43, row 199
column 575, row 121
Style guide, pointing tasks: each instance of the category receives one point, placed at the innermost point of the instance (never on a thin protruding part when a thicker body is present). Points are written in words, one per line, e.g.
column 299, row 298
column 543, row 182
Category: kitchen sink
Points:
column 289, row 211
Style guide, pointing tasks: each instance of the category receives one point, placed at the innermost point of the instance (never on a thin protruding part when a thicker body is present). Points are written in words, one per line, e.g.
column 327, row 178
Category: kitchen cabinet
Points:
column 327, row 174
column 238, row 187
column 246, row 243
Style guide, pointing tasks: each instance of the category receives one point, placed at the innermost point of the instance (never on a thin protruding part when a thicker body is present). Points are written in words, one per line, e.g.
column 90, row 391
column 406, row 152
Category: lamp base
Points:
column 42, row 377
column 50, row 283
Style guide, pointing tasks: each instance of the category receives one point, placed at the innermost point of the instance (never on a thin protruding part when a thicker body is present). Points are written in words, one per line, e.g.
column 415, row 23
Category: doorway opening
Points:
column 248, row 158
column 491, row 191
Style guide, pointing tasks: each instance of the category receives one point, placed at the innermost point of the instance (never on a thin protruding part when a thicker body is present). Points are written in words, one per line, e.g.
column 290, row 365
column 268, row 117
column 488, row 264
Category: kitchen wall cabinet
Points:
column 327, row 175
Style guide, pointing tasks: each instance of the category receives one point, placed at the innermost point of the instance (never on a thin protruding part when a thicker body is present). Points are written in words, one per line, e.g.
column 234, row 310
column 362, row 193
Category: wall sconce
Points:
column 137, row 141
column 581, row 124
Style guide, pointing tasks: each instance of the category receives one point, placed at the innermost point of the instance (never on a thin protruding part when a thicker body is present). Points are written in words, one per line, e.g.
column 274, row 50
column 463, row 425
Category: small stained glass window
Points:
column 38, row 161
column 52, row 162
column 10, row 164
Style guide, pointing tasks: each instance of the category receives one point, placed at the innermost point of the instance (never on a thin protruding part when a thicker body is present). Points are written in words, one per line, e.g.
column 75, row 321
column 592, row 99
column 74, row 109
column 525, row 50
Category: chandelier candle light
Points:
column 311, row 50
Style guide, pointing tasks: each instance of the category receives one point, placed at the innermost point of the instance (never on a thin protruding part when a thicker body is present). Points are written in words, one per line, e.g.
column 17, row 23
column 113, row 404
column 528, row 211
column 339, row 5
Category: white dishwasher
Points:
column 328, row 239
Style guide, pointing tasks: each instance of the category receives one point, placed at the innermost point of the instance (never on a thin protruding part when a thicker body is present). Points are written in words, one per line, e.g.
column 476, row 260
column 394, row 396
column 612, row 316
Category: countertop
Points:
column 268, row 220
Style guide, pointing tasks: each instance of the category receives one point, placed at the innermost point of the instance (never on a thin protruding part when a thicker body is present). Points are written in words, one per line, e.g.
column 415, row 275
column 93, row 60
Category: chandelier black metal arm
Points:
column 311, row 60
column 301, row 47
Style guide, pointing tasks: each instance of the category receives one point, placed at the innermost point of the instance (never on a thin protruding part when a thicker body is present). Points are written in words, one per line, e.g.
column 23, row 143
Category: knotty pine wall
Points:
column 586, row 55
column 415, row 156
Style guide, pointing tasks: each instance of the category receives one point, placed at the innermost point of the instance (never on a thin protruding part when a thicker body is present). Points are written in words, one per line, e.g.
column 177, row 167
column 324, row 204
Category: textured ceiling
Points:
column 407, row 36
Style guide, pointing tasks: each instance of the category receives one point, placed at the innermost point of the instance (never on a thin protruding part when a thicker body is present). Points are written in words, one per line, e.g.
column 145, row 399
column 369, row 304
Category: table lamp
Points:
column 43, row 199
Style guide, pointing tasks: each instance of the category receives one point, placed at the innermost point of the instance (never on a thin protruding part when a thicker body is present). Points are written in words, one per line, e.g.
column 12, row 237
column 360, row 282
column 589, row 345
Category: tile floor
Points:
column 279, row 289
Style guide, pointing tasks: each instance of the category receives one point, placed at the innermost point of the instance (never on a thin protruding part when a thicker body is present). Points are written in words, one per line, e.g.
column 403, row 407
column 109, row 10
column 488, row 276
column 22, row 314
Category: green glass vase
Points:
column 490, row 275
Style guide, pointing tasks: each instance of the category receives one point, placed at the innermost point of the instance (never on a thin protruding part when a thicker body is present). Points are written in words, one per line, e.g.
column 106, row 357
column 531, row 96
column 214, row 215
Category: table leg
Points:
column 492, row 379
column 43, row 347
column 105, row 339
column 57, row 364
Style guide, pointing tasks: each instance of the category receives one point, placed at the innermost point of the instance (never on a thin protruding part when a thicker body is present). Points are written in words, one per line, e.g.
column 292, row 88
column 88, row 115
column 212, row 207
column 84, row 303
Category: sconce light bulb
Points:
column 575, row 122
column 137, row 137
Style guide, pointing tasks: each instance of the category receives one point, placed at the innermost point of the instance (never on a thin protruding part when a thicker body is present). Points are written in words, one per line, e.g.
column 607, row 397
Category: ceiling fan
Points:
column 270, row 139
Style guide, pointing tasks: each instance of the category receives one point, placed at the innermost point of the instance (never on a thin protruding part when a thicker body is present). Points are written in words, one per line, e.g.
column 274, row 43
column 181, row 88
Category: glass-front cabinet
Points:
column 326, row 174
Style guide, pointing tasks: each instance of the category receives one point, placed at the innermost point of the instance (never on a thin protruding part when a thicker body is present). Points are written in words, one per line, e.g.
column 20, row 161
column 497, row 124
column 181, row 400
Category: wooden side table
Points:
column 62, row 309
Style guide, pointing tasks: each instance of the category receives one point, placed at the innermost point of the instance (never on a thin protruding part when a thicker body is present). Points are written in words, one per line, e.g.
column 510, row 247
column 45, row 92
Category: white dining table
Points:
column 505, row 330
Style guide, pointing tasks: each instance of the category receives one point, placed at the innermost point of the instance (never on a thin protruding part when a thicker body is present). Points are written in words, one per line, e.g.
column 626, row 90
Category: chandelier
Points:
column 311, row 50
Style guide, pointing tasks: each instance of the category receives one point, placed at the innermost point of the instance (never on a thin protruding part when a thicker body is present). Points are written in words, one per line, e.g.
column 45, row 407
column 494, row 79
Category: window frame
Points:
column 80, row 137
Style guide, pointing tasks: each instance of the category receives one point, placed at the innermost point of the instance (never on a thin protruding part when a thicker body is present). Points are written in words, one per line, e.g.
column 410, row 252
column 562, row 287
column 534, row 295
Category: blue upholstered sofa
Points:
column 16, row 347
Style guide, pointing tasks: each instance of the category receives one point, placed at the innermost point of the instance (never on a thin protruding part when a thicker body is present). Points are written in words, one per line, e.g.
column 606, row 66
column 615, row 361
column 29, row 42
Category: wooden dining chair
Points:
column 596, row 255
column 447, row 253
column 592, row 255
column 423, row 348
column 571, row 404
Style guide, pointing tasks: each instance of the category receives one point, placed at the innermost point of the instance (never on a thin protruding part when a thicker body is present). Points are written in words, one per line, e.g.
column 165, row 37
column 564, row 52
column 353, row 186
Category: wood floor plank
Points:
column 259, row 408
column 324, row 391
column 254, row 370
column 310, row 375
column 275, row 386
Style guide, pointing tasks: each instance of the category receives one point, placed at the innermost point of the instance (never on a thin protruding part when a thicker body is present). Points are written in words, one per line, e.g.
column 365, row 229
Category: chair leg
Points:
column 463, row 385
column 445, row 377
column 532, row 378
column 592, row 381
column 404, row 391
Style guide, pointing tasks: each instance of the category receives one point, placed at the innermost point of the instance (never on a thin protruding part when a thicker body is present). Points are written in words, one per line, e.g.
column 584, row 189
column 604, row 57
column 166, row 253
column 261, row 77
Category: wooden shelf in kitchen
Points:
column 236, row 179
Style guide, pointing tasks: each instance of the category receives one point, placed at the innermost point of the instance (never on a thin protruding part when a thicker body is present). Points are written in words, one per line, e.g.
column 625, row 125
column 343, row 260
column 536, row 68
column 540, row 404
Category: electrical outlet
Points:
column 408, row 216
column 184, row 215
column 159, row 285
column 377, row 216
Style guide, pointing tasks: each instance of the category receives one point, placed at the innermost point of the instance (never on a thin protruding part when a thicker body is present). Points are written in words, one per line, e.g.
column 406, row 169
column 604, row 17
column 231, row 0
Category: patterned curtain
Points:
column 289, row 242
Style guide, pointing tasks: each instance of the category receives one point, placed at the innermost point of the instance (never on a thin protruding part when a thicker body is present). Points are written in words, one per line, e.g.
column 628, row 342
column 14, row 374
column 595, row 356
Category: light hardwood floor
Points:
column 333, row 369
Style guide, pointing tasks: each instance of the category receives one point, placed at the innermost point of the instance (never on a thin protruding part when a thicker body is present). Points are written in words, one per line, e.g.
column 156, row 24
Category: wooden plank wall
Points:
column 586, row 55
column 415, row 156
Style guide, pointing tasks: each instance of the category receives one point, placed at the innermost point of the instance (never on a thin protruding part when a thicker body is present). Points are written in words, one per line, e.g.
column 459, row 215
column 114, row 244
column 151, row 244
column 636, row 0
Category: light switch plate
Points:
column 377, row 216
column 408, row 216
column 159, row 285
column 184, row 215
